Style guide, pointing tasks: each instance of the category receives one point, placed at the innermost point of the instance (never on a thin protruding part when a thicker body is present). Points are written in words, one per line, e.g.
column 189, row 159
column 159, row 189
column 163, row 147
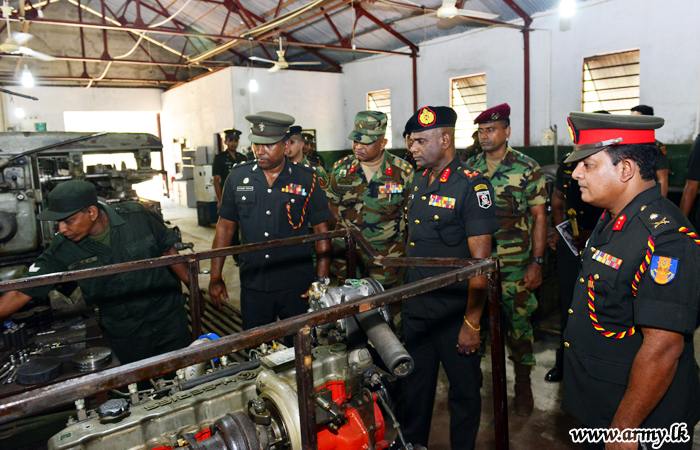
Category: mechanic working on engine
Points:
column 272, row 198
column 143, row 312
column 450, row 214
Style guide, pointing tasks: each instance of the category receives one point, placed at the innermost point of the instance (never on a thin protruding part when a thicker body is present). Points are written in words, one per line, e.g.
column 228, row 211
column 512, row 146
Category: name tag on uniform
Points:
column 607, row 259
column 292, row 188
column 442, row 202
column 244, row 188
column 391, row 188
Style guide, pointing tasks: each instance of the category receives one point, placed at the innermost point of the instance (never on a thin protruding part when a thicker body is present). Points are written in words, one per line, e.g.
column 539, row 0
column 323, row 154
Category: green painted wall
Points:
column 677, row 158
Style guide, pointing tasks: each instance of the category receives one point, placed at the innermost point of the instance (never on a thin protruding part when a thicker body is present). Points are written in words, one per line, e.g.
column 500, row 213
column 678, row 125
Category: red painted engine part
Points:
column 353, row 435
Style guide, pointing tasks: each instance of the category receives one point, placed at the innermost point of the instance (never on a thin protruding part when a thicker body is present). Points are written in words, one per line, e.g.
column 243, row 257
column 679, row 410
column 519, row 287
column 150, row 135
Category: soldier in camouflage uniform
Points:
column 294, row 151
column 521, row 196
column 369, row 191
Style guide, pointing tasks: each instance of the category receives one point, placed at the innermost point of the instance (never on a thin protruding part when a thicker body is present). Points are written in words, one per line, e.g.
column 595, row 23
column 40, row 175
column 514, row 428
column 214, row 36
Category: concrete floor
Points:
column 546, row 428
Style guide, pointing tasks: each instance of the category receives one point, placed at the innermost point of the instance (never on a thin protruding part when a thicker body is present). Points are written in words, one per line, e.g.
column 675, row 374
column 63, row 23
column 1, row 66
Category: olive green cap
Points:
column 268, row 127
column 67, row 199
column 593, row 132
column 369, row 126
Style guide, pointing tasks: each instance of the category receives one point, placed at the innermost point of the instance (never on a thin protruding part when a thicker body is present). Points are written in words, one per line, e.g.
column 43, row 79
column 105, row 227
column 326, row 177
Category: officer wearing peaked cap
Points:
column 271, row 198
column 450, row 214
column 629, row 358
column 368, row 191
column 224, row 161
column 142, row 313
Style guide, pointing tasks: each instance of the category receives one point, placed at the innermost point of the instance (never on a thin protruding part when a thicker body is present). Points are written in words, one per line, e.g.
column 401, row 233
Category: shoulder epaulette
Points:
column 469, row 173
column 239, row 165
column 341, row 161
column 658, row 223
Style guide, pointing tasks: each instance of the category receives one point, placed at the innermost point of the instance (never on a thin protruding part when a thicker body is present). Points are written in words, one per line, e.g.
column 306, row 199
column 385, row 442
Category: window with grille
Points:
column 468, row 99
column 611, row 82
column 381, row 101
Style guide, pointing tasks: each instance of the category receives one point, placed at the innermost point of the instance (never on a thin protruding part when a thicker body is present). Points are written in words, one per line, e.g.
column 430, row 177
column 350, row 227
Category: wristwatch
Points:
column 538, row 259
column 323, row 280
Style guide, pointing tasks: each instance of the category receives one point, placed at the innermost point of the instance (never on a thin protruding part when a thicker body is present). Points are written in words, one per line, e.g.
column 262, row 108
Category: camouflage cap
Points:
column 268, row 127
column 593, row 132
column 369, row 126
column 67, row 199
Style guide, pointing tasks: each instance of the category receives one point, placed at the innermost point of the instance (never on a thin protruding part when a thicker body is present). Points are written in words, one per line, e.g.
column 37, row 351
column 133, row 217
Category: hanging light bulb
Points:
column 253, row 85
column 27, row 78
column 567, row 8
column 19, row 113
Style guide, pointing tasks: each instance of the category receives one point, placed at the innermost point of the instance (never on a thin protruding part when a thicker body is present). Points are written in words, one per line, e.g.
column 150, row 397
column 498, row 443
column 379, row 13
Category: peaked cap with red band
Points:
column 429, row 117
column 593, row 132
column 498, row 112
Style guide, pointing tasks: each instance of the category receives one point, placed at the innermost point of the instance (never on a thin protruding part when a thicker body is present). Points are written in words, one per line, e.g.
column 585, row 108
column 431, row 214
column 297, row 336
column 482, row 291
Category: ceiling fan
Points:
column 448, row 10
column 15, row 41
column 282, row 63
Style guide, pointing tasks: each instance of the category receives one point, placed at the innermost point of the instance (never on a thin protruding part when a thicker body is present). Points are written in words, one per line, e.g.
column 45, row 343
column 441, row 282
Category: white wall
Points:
column 54, row 101
column 668, row 39
column 314, row 99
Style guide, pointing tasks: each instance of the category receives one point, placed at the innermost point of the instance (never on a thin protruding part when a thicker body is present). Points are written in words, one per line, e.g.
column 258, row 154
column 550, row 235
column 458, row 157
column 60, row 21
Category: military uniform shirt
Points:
column 261, row 212
column 376, row 207
column 320, row 171
column 442, row 216
column 587, row 215
column 146, row 304
column 519, row 184
column 223, row 163
column 597, row 368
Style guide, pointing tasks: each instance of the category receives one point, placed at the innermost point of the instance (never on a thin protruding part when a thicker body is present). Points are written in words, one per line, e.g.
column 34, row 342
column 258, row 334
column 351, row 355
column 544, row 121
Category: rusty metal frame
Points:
column 66, row 392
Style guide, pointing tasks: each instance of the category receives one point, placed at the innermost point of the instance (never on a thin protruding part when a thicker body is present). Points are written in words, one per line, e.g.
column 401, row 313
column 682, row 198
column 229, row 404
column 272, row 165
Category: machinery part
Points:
column 80, row 409
column 373, row 323
column 91, row 359
column 281, row 394
column 43, row 317
column 197, row 370
column 15, row 336
column 233, row 370
column 232, row 432
column 394, row 355
column 113, row 408
column 39, row 370
column 8, row 226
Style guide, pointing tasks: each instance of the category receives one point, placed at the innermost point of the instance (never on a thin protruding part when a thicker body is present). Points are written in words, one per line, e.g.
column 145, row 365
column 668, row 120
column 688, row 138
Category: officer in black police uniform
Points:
column 272, row 198
column 451, row 214
column 224, row 161
column 567, row 205
column 629, row 357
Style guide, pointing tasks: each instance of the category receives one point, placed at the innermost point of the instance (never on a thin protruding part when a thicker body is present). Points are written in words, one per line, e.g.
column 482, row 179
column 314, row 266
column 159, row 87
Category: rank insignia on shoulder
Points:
column 480, row 187
column 484, row 198
column 663, row 269
column 442, row 202
column 391, row 188
column 292, row 188
column 607, row 259
column 619, row 223
column 471, row 173
column 445, row 175
column 661, row 222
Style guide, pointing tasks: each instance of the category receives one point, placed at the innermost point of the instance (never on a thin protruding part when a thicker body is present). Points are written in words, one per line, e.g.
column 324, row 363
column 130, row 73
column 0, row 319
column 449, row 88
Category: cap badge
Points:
column 495, row 116
column 261, row 126
column 426, row 117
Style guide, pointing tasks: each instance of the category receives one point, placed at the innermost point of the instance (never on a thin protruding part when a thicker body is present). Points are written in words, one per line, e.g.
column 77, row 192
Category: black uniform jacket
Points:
column 597, row 368
column 261, row 211
column 441, row 216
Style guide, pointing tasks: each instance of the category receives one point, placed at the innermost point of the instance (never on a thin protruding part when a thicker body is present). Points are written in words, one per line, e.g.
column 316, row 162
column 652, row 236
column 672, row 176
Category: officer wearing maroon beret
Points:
column 521, row 197
column 629, row 357
column 450, row 214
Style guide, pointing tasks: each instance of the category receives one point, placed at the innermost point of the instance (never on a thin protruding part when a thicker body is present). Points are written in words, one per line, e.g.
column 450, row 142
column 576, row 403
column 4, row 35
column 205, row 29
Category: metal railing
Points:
column 66, row 392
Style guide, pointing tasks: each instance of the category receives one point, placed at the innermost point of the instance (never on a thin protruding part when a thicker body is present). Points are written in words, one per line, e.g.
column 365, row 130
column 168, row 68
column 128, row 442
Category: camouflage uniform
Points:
column 320, row 171
column 376, row 206
column 519, row 184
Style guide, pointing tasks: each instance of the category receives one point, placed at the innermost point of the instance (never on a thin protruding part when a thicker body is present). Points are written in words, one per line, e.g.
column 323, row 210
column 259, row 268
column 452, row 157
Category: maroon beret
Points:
column 498, row 112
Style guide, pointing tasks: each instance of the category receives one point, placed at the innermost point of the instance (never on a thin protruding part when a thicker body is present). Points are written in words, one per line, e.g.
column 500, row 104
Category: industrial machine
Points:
column 248, row 400
column 32, row 164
